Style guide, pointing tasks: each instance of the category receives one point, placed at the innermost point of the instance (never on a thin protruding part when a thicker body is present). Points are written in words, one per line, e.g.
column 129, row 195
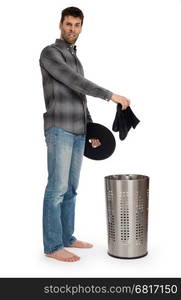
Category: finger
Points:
column 98, row 144
column 94, row 146
column 95, row 143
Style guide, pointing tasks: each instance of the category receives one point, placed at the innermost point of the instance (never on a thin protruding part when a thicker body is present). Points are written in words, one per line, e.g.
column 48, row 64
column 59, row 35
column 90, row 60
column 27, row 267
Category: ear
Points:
column 60, row 26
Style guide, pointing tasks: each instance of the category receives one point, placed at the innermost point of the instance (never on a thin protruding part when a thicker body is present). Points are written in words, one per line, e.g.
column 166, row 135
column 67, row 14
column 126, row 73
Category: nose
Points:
column 73, row 28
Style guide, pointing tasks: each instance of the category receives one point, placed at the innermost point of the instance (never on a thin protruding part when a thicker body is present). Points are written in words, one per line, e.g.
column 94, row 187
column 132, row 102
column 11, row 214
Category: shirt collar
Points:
column 63, row 44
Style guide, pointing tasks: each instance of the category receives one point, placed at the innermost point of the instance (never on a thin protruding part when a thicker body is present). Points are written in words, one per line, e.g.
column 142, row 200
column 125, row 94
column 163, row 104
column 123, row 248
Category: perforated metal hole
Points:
column 139, row 220
column 111, row 217
column 124, row 218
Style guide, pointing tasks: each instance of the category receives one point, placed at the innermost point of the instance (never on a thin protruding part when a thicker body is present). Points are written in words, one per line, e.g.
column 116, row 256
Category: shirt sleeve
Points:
column 52, row 60
column 89, row 118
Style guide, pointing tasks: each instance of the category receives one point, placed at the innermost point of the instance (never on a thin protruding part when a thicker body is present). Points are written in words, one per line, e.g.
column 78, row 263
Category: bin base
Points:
column 134, row 257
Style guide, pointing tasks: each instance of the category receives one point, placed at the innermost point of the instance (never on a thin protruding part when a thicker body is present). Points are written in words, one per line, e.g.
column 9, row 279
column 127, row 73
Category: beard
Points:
column 69, row 37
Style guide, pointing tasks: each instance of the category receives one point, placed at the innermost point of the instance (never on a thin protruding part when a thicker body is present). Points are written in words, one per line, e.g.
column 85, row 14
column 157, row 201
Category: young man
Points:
column 65, row 120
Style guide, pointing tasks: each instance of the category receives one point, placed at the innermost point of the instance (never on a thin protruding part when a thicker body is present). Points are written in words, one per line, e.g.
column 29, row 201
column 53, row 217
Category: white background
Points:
column 131, row 47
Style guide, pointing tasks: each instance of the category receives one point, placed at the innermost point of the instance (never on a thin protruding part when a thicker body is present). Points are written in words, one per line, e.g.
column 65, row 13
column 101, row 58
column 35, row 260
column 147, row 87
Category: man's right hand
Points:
column 122, row 100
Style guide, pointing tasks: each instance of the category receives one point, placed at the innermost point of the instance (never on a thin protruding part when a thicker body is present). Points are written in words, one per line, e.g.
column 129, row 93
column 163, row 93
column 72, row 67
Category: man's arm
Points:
column 52, row 61
column 89, row 118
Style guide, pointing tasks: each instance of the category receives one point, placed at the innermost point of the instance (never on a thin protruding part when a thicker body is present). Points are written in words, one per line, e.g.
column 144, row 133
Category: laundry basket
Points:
column 127, row 214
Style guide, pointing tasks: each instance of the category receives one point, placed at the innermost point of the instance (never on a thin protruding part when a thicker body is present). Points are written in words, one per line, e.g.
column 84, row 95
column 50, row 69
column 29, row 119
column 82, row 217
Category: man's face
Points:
column 70, row 29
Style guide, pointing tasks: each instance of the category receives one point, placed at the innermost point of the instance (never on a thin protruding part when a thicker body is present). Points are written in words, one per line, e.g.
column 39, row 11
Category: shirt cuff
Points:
column 108, row 96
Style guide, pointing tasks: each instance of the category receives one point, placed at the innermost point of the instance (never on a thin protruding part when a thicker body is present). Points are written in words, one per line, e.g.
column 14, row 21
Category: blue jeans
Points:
column 64, row 158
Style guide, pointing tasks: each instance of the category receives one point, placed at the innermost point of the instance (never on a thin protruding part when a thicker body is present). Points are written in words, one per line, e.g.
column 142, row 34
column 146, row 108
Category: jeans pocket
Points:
column 50, row 134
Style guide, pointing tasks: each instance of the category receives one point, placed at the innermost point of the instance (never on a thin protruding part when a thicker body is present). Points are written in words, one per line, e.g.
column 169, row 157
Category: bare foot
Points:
column 80, row 244
column 63, row 255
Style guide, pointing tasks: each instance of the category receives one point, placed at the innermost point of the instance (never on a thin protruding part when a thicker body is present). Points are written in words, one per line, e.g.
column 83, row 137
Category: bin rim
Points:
column 127, row 177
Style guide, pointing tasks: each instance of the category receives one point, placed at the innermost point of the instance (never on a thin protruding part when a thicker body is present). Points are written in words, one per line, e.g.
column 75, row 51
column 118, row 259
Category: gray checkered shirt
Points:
column 65, row 88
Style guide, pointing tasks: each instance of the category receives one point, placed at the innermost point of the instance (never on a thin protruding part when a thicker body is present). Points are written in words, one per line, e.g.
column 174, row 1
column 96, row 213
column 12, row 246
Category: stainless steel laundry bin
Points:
column 127, row 214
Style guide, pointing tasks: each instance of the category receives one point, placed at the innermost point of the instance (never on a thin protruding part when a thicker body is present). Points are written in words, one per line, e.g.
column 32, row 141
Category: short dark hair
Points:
column 72, row 11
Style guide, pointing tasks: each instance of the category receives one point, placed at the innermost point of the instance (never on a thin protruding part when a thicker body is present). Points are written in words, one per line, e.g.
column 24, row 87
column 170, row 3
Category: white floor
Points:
column 160, row 262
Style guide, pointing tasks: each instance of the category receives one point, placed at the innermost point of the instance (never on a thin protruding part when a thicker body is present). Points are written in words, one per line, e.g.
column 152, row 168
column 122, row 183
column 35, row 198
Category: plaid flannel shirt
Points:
column 65, row 88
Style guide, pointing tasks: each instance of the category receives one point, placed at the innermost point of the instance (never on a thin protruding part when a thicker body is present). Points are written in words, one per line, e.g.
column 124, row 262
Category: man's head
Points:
column 71, row 24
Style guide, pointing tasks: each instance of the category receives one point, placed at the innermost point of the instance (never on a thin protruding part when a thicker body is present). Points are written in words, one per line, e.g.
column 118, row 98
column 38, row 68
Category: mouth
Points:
column 71, row 35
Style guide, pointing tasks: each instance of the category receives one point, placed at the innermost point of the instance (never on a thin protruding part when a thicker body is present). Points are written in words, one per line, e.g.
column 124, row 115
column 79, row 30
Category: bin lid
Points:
column 108, row 143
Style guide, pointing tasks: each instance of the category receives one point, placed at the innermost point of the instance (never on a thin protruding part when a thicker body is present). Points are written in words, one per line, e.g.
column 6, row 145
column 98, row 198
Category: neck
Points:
column 66, row 41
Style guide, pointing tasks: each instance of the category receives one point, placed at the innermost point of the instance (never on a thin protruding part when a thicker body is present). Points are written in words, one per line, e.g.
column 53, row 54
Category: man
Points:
column 65, row 120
